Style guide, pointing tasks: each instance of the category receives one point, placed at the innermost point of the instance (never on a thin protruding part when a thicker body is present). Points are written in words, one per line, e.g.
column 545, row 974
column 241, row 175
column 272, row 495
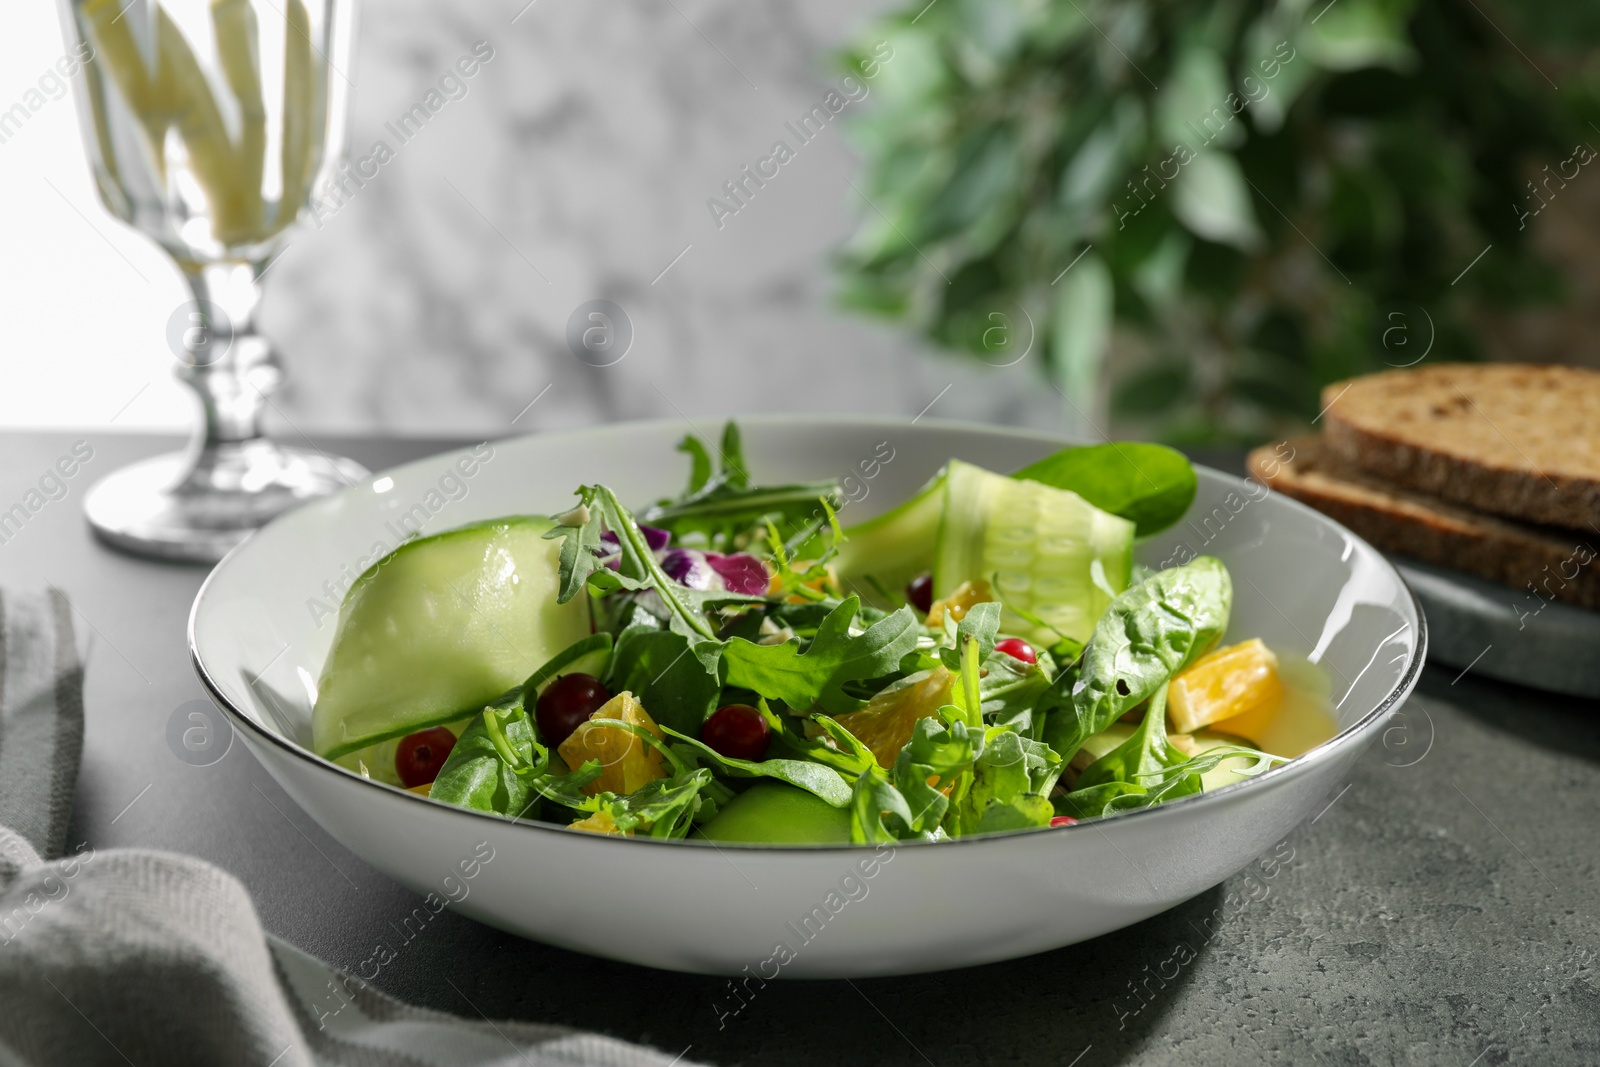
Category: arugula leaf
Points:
column 901, row 804
column 567, row 789
column 1025, row 812
column 1011, row 779
column 664, row 806
column 655, row 666
column 822, row 781
column 1151, row 484
column 879, row 814
column 724, row 508
column 1148, row 634
column 1010, row 690
column 981, row 623
column 816, row 676
column 846, row 754
column 637, row 569
column 734, row 471
column 699, row 463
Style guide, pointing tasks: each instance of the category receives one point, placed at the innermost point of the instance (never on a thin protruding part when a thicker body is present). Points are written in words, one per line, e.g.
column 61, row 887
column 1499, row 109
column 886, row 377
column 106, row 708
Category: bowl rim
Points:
column 1350, row 735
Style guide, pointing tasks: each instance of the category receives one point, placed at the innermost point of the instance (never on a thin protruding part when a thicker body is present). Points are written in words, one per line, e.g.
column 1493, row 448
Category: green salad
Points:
column 737, row 664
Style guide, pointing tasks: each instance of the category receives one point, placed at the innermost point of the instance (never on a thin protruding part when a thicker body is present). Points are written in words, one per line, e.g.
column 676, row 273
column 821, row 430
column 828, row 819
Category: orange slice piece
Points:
column 886, row 723
column 626, row 762
column 1229, row 682
column 959, row 602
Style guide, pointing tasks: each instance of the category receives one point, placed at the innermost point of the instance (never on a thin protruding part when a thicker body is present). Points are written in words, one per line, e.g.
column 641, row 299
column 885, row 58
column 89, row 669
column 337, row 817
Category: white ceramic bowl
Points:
column 261, row 627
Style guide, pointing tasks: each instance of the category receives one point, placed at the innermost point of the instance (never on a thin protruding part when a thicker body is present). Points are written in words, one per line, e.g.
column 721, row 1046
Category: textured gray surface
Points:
column 1444, row 909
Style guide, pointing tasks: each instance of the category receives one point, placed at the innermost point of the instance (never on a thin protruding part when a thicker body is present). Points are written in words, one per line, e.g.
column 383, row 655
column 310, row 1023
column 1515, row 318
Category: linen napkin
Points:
column 128, row 956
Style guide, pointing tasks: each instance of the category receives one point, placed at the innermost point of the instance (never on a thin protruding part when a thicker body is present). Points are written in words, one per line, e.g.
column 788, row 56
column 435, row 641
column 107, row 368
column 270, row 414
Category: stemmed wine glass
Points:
column 208, row 123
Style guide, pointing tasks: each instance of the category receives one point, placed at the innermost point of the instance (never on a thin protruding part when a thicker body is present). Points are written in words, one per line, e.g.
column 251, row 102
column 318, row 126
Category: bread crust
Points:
column 1520, row 440
column 1543, row 563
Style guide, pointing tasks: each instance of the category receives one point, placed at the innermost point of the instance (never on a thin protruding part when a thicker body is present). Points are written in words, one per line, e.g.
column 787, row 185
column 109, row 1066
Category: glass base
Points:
column 181, row 507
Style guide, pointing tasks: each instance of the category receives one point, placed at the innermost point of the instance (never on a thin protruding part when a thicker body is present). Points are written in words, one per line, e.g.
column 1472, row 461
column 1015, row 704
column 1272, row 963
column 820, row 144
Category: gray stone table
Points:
column 1442, row 909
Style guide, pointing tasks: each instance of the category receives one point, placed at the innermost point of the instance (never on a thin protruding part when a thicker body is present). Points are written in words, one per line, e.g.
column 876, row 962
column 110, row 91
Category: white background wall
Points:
column 585, row 152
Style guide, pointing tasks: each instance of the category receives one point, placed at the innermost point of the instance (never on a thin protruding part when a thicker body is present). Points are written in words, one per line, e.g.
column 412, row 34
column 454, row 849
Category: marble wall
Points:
column 576, row 164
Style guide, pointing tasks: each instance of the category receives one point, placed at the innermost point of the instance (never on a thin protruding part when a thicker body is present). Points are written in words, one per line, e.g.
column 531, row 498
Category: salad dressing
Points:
column 1302, row 719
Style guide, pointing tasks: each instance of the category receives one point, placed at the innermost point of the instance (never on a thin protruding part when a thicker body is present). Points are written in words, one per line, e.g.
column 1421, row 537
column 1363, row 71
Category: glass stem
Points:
column 228, row 364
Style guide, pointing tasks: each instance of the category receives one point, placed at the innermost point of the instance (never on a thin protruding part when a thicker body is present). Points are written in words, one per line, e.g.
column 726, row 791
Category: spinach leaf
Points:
column 1143, row 758
column 675, row 687
column 477, row 775
column 816, row 676
column 816, row 778
column 498, row 766
column 1147, row 635
column 1150, row 484
column 1098, row 801
column 1178, row 780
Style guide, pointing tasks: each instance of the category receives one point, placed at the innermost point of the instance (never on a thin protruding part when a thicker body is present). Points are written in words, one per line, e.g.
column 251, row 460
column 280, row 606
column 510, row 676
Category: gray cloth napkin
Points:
column 126, row 956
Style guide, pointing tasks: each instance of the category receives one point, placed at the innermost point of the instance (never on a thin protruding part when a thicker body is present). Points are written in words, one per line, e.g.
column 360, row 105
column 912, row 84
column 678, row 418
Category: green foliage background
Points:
column 1378, row 147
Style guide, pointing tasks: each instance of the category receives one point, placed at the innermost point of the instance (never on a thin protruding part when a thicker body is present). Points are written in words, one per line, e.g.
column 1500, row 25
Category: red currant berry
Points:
column 1063, row 820
column 919, row 594
column 567, row 704
column 420, row 756
column 737, row 731
column 1017, row 648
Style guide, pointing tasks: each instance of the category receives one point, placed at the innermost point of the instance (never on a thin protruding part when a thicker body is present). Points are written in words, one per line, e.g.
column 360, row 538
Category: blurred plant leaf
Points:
column 1211, row 198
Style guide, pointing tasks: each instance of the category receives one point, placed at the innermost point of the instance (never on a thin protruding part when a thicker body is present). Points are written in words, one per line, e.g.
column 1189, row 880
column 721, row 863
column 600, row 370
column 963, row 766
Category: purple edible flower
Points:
column 688, row 568
column 656, row 539
column 740, row 573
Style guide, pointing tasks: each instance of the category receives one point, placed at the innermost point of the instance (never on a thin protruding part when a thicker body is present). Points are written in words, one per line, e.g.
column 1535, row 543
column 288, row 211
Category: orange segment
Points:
column 959, row 602
column 626, row 762
column 886, row 723
column 600, row 822
column 1233, row 681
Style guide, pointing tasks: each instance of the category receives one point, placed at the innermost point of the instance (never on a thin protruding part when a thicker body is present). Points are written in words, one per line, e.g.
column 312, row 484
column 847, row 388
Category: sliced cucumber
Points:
column 1049, row 554
column 879, row 557
column 439, row 628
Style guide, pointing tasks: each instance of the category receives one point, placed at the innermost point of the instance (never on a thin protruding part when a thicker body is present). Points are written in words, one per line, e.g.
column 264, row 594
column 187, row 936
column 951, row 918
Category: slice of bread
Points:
column 1516, row 439
column 1544, row 562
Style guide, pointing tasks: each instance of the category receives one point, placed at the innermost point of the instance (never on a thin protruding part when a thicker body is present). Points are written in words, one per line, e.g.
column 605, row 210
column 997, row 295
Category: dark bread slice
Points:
column 1515, row 439
column 1543, row 562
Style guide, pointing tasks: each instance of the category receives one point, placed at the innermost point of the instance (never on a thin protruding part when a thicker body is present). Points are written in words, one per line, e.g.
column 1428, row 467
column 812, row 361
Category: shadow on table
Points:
column 1568, row 725
column 1091, row 1004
